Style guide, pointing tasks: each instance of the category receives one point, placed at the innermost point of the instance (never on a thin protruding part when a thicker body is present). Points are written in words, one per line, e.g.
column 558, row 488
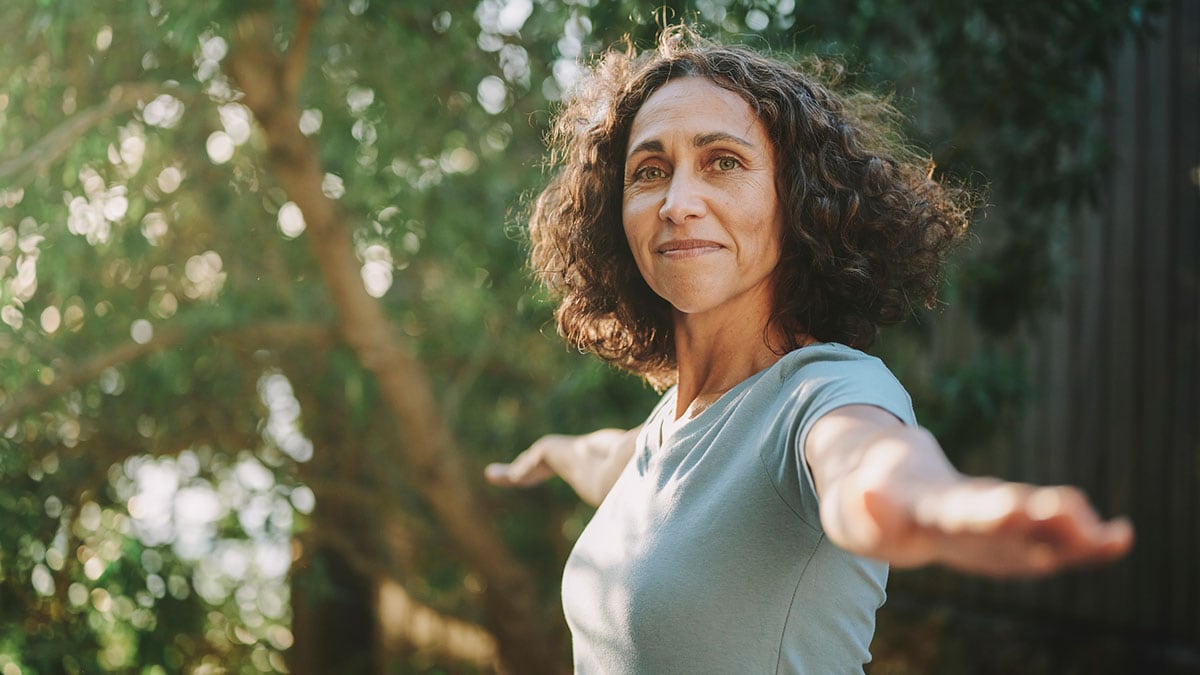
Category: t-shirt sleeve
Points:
column 829, row 378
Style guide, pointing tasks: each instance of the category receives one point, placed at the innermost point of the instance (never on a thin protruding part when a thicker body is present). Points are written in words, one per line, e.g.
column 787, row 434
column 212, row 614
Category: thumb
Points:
column 883, row 514
column 895, row 531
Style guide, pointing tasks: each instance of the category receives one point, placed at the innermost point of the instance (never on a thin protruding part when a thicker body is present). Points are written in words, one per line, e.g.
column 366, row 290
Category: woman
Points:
column 734, row 231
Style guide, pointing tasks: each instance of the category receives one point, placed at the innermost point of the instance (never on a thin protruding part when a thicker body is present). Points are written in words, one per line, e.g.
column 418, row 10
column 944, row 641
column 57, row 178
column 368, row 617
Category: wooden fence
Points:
column 1117, row 369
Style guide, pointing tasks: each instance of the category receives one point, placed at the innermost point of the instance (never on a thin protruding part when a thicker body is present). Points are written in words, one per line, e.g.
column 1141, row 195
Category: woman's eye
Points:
column 650, row 173
column 727, row 163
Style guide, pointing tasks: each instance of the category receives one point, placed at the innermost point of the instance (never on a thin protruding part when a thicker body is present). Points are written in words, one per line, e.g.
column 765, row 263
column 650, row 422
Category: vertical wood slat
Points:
column 1115, row 464
column 1153, row 260
column 1053, row 448
column 1084, row 407
column 1185, row 429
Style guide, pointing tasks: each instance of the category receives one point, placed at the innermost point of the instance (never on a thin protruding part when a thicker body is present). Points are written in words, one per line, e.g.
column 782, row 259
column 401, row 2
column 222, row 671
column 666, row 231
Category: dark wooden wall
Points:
column 1135, row 308
column 1117, row 369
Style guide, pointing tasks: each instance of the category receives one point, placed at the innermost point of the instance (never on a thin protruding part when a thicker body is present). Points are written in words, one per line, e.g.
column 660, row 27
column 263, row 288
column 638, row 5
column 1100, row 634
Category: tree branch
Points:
column 296, row 60
column 55, row 144
column 403, row 620
column 71, row 378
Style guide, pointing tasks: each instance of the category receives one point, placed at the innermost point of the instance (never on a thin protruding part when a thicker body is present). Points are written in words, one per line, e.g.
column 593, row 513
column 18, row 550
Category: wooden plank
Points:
column 1114, row 460
column 1150, row 439
column 1054, row 449
column 1079, row 402
column 1185, row 427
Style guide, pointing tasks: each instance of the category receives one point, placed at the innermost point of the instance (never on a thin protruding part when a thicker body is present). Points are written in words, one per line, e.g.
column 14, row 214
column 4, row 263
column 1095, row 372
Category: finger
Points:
column 1062, row 503
column 1117, row 538
column 513, row 475
column 529, row 467
column 1121, row 536
column 977, row 506
column 1066, row 515
column 498, row 474
column 980, row 507
column 524, row 471
column 1110, row 542
column 1063, row 519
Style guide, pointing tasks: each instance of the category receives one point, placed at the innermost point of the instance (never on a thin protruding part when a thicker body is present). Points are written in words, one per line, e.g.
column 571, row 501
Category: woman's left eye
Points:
column 727, row 163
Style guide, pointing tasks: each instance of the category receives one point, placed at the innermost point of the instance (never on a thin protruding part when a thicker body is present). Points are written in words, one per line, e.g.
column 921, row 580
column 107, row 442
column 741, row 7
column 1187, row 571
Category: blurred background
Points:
column 263, row 319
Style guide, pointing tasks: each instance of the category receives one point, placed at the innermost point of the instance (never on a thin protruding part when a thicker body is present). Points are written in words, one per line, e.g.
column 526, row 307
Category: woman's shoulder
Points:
column 830, row 357
column 822, row 376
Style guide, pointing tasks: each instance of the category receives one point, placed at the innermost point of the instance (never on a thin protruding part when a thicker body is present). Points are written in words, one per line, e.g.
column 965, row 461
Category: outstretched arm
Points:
column 887, row 491
column 590, row 463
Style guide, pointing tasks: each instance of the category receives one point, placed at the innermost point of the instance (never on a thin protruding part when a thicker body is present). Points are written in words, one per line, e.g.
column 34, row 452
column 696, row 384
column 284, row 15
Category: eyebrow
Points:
column 718, row 136
column 698, row 141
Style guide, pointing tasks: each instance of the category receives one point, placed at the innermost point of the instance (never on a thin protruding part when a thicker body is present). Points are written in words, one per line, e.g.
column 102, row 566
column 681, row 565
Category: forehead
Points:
column 695, row 105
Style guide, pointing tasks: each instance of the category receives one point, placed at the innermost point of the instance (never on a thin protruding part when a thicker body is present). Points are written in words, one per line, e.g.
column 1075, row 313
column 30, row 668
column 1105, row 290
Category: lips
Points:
column 686, row 248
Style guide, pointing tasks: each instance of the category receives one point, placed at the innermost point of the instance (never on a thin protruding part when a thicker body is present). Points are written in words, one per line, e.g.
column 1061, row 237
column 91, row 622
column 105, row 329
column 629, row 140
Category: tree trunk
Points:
column 426, row 445
column 333, row 622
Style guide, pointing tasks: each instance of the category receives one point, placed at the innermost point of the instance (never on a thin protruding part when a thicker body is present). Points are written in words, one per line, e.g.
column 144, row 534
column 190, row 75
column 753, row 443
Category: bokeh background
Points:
column 263, row 319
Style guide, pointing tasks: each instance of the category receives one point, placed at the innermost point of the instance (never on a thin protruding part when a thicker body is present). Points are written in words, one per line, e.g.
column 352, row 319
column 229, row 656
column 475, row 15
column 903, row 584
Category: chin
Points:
column 691, row 305
column 689, row 294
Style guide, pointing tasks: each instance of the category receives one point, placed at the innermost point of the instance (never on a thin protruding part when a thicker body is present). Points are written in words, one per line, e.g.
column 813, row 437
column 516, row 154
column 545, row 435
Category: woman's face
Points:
column 699, row 208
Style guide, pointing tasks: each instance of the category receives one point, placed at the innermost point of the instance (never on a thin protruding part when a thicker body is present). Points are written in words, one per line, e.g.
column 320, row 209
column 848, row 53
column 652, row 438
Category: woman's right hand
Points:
column 590, row 463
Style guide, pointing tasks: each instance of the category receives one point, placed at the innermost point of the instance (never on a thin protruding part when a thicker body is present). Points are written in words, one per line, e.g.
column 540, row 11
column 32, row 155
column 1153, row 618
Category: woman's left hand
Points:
column 995, row 528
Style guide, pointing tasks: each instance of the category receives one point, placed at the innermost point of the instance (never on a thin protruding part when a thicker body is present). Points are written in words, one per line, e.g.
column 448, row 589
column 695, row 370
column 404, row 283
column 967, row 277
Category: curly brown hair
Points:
column 866, row 227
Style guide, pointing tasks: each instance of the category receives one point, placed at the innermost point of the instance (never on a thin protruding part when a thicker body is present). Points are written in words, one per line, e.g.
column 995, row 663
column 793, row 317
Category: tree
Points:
column 264, row 313
column 216, row 314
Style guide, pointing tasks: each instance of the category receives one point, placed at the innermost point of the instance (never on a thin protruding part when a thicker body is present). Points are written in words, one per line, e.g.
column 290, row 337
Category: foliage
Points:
column 183, row 423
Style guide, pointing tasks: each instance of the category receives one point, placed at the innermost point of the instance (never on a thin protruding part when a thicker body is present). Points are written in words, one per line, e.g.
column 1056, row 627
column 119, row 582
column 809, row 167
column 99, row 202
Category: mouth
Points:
column 686, row 248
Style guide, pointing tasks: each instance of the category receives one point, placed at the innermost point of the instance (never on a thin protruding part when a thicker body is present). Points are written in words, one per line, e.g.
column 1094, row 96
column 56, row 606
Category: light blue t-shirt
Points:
column 707, row 556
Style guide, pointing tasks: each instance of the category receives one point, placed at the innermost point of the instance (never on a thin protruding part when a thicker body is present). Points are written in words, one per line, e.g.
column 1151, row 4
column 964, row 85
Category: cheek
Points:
column 630, row 232
column 633, row 222
column 773, row 216
column 769, row 245
column 631, row 241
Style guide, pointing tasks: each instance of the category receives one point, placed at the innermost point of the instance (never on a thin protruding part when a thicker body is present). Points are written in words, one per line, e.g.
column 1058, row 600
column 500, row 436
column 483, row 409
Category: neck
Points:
column 715, row 355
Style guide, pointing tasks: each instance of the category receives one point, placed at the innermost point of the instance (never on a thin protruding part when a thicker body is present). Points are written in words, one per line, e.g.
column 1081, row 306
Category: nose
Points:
column 684, row 199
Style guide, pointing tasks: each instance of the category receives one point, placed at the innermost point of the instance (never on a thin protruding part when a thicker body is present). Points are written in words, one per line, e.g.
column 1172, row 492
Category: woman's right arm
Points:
column 590, row 463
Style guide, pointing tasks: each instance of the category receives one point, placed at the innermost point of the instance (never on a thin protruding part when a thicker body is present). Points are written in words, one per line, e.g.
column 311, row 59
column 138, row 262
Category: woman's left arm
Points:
column 887, row 491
